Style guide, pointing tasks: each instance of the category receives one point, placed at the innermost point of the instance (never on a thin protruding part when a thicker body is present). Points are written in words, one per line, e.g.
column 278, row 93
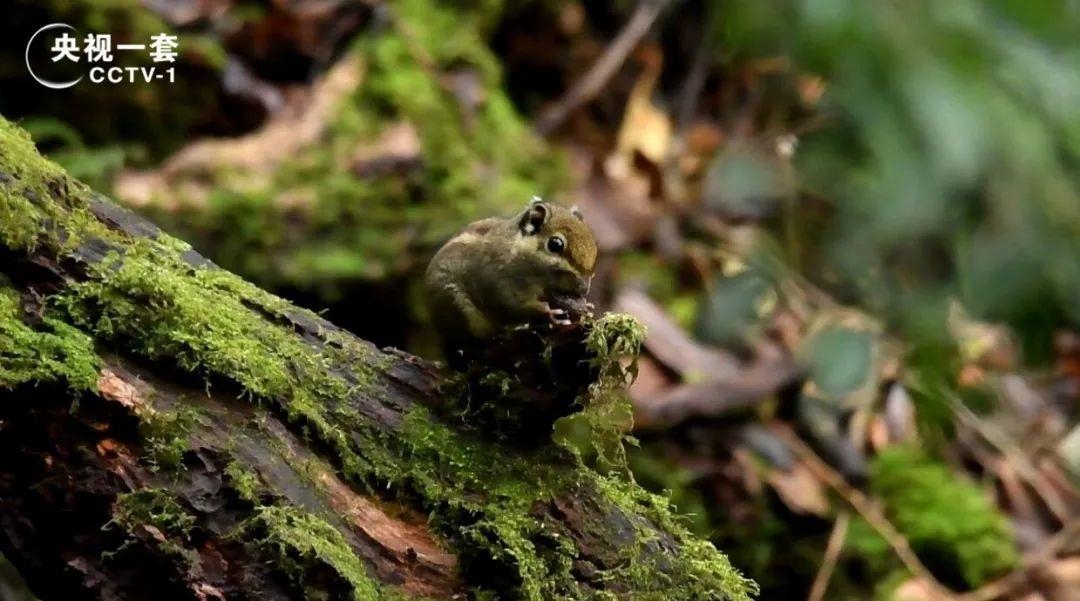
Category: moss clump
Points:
column 614, row 343
column 614, row 337
column 166, row 436
column 245, row 482
column 50, row 351
column 951, row 524
column 526, row 379
column 155, row 507
column 702, row 572
column 300, row 540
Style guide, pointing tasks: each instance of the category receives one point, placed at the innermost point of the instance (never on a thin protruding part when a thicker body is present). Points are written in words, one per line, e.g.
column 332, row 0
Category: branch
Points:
column 604, row 68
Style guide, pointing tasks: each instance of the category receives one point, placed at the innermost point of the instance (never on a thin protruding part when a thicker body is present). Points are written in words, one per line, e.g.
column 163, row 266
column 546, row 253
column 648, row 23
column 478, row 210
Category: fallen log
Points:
column 170, row 431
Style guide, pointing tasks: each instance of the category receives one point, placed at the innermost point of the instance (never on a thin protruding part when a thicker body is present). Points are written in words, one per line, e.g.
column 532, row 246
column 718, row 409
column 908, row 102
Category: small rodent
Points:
column 503, row 272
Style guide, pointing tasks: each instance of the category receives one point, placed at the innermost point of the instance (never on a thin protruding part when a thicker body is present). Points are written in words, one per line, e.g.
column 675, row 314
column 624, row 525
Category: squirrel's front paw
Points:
column 559, row 317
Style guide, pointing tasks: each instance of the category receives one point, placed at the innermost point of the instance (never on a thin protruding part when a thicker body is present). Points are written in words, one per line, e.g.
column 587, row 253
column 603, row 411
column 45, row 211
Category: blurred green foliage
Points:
column 427, row 69
column 92, row 166
column 839, row 359
column 730, row 315
column 952, row 525
column 950, row 155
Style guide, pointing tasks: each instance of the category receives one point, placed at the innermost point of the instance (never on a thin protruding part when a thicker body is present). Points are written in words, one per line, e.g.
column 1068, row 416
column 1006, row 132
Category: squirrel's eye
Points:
column 556, row 244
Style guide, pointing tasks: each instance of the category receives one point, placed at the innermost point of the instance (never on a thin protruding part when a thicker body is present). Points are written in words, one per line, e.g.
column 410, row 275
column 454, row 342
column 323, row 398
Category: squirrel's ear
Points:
column 533, row 217
column 576, row 212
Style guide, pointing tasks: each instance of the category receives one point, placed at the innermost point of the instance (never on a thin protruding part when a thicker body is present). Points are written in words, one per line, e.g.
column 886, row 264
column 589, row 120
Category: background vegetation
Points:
column 852, row 227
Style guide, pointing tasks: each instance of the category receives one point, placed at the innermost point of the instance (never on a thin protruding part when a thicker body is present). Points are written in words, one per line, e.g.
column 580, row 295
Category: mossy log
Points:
column 170, row 431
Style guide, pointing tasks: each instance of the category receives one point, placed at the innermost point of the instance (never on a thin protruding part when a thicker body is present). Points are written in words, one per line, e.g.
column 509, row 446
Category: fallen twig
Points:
column 832, row 555
column 604, row 68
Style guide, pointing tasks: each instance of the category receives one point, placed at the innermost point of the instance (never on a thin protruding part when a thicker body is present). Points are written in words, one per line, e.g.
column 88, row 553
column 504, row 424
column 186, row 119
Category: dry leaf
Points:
column 811, row 89
column 800, row 490
column 205, row 591
column 646, row 129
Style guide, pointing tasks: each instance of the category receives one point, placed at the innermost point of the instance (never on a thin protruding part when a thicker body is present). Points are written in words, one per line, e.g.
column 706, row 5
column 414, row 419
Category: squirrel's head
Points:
column 564, row 244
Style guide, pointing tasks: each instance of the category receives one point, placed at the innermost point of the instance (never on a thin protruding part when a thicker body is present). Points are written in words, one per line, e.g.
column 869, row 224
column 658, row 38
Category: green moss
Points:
column 156, row 507
column 166, row 436
column 601, row 428
column 698, row 571
column 49, row 351
column 613, row 337
column 245, row 482
column 202, row 320
column 480, row 496
column 951, row 524
column 299, row 539
column 447, row 470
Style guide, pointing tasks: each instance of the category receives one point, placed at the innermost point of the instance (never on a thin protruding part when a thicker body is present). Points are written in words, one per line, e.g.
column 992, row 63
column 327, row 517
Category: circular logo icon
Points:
column 56, row 85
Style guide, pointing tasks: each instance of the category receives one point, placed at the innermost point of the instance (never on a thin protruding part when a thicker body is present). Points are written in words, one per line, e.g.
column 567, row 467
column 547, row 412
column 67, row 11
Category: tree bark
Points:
column 169, row 431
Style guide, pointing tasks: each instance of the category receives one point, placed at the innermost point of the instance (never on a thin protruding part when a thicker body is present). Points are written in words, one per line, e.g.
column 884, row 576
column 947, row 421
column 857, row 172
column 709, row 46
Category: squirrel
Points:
column 499, row 273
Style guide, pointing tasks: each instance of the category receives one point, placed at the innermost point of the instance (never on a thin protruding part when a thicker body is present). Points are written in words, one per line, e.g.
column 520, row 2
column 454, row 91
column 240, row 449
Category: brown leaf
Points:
column 811, row 88
column 1030, row 531
column 800, row 490
column 747, row 387
column 878, row 433
column 619, row 216
column 107, row 446
column 646, row 129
